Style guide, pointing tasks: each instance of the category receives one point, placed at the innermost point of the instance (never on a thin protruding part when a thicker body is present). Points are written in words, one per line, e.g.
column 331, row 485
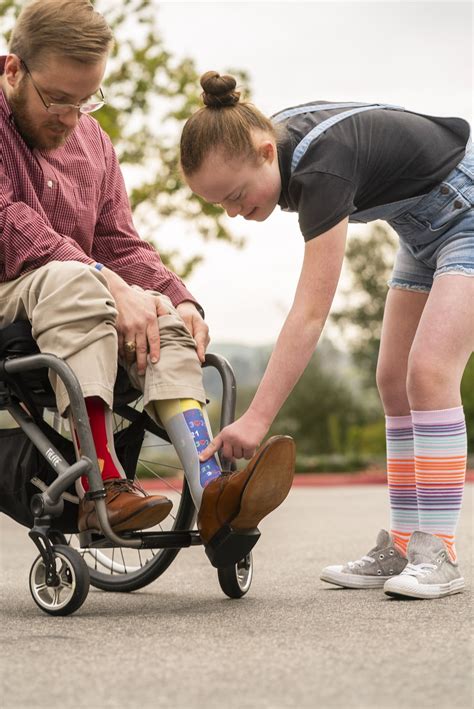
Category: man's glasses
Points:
column 59, row 109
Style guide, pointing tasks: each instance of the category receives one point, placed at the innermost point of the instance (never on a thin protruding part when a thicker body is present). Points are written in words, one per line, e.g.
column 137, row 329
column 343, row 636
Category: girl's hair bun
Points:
column 219, row 91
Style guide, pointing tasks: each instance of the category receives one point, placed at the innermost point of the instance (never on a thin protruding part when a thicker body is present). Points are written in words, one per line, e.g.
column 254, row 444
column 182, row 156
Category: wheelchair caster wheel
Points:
column 72, row 588
column 235, row 580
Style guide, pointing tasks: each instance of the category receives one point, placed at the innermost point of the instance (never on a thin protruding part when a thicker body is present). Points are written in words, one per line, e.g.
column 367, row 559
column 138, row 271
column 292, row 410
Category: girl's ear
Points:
column 266, row 151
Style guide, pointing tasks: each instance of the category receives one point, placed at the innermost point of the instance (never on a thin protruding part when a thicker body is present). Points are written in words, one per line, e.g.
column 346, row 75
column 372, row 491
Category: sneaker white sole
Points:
column 411, row 588
column 333, row 574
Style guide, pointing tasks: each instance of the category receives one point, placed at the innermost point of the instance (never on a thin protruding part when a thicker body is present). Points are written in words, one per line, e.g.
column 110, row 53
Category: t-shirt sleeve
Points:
column 322, row 200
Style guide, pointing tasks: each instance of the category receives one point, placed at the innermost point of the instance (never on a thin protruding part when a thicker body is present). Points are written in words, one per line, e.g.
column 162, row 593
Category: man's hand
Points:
column 239, row 440
column 137, row 321
column 196, row 326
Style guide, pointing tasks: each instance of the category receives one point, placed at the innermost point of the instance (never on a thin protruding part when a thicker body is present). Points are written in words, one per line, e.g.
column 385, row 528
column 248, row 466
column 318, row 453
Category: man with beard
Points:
column 73, row 265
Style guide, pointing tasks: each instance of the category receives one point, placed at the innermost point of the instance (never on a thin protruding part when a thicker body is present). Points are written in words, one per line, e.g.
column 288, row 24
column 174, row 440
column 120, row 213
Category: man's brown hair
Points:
column 69, row 28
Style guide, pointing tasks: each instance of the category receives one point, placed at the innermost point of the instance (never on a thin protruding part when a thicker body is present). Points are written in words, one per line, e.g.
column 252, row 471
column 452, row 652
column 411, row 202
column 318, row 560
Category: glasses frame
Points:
column 66, row 107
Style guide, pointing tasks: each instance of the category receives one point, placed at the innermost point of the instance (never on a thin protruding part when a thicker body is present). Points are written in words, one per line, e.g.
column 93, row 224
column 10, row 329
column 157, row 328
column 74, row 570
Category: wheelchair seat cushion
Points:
column 16, row 340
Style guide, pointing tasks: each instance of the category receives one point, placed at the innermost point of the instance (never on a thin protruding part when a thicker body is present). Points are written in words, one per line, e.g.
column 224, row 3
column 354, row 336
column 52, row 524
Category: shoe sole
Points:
column 343, row 581
column 268, row 485
column 426, row 591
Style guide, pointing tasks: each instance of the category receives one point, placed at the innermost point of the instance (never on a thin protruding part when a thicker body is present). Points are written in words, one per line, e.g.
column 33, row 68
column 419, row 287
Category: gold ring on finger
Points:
column 130, row 346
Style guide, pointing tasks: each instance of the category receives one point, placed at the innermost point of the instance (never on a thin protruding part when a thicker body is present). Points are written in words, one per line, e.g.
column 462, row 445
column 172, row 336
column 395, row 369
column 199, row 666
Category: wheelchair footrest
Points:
column 149, row 540
column 228, row 546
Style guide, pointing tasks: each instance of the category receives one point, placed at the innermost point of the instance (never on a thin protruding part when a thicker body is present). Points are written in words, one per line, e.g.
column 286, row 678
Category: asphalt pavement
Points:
column 291, row 642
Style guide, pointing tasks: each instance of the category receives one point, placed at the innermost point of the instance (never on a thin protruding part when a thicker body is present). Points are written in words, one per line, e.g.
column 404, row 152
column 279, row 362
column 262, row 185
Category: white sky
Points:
column 414, row 54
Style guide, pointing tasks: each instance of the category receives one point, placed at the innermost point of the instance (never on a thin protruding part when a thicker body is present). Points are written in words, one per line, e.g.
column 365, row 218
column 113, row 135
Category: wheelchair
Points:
column 69, row 561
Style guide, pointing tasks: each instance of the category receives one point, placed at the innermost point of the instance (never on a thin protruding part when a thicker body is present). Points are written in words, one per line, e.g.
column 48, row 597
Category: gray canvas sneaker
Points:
column 430, row 572
column 371, row 571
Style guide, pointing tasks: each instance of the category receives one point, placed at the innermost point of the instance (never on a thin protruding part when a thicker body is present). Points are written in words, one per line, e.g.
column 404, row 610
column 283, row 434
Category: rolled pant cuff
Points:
column 174, row 392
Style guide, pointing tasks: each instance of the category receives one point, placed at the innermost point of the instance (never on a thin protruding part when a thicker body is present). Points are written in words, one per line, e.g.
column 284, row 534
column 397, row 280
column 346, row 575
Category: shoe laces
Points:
column 360, row 562
column 419, row 569
column 119, row 485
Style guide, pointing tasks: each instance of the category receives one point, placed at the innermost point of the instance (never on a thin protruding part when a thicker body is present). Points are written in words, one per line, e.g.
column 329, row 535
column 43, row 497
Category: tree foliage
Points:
column 320, row 412
column 150, row 93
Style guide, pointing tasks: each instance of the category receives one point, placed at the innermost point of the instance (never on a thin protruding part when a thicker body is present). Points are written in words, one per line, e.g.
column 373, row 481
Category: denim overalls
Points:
column 436, row 230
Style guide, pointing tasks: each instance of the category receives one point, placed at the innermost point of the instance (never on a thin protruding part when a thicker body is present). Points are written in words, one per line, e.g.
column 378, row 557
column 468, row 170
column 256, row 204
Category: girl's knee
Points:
column 392, row 389
column 426, row 374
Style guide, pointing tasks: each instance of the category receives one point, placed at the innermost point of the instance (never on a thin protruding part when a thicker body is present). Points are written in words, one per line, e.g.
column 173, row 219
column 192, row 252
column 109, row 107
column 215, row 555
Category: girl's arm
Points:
column 298, row 338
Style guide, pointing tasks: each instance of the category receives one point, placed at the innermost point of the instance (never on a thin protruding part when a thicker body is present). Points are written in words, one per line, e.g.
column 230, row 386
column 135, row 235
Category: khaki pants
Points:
column 73, row 315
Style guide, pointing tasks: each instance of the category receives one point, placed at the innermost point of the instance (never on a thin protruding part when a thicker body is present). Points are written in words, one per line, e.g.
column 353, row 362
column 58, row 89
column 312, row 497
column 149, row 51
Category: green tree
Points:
column 322, row 407
column 149, row 95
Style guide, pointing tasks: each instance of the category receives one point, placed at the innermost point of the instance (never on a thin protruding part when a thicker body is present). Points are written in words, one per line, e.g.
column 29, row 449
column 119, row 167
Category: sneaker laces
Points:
column 419, row 569
column 360, row 562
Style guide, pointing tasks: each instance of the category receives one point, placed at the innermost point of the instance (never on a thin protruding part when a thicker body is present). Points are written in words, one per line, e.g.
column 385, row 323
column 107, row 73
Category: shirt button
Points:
column 457, row 204
column 49, row 183
column 444, row 190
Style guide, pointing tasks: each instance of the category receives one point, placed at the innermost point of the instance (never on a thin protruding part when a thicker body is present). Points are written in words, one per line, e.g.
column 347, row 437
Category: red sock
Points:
column 96, row 411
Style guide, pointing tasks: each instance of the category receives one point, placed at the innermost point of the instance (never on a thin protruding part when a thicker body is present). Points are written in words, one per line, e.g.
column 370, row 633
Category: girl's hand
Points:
column 239, row 440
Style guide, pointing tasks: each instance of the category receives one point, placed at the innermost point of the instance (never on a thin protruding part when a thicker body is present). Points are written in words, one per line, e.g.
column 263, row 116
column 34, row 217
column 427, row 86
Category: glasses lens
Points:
column 91, row 107
column 59, row 109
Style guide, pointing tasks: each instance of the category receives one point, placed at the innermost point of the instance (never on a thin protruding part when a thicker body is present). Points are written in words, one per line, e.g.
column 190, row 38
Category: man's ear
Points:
column 13, row 70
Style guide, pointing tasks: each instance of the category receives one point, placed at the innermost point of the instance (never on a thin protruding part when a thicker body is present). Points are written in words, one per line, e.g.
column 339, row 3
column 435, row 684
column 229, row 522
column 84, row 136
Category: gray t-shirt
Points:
column 364, row 161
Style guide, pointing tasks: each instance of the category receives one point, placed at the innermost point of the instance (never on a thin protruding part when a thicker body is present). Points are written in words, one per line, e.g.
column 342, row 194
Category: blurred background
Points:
column 414, row 54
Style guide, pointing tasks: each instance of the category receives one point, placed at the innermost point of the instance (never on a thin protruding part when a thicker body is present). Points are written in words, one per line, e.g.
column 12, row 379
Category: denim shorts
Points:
column 437, row 233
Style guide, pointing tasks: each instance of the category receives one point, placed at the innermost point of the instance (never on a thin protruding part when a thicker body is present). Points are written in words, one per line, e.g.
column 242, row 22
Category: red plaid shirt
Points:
column 70, row 204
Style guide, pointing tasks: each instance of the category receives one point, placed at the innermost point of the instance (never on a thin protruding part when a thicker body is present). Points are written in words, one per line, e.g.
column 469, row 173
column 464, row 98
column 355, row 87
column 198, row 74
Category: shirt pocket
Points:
column 87, row 208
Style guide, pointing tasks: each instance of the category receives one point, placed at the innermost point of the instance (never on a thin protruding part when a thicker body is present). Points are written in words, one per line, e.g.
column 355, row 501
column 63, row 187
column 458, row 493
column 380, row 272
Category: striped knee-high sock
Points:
column 401, row 480
column 440, row 469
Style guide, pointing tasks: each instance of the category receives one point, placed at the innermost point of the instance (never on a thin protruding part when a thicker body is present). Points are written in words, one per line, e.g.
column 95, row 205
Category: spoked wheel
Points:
column 236, row 580
column 73, row 582
column 123, row 569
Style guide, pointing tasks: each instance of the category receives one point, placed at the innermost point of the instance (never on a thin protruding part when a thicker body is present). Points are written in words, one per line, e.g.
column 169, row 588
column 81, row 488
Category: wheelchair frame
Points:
column 234, row 580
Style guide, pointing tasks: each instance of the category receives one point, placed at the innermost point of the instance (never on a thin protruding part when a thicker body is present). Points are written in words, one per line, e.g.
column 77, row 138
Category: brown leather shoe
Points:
column 129, row 508
column 239, row 501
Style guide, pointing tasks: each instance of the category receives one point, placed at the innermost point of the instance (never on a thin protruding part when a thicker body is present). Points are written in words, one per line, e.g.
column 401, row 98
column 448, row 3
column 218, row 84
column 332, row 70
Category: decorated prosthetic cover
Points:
column 195, row 421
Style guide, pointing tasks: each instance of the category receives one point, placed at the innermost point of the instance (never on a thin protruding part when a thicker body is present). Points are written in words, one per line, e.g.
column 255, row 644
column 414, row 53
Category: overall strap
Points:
column 318, row 130
column 313, row 108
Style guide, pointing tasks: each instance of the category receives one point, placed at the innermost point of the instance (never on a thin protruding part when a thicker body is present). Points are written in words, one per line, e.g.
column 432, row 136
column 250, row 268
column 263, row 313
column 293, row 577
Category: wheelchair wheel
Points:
column 122, row 569
column 71, row 591
column 235, row 580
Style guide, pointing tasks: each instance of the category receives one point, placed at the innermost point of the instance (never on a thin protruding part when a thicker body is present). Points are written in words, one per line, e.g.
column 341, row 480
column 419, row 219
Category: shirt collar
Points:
column 285, row 151
column 4, row 105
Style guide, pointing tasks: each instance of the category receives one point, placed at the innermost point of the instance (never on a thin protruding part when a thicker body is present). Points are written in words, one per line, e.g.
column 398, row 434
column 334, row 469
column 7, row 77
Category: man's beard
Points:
column 27, row 127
